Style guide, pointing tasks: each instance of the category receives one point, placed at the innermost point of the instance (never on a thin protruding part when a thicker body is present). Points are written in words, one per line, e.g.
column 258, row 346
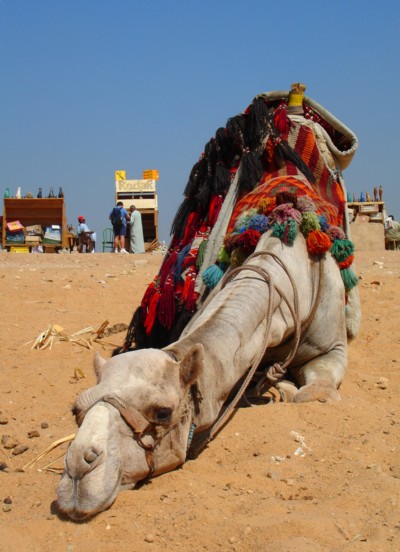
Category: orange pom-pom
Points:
column 347, row 262
column 317, row 242
column 266, row 205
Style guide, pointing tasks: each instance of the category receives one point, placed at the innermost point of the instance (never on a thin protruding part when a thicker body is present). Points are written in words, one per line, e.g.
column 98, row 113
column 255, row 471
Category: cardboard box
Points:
column 33, row 240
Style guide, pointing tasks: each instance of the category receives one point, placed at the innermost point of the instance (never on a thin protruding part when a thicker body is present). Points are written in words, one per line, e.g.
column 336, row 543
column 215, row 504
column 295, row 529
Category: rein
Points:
column 278, row 370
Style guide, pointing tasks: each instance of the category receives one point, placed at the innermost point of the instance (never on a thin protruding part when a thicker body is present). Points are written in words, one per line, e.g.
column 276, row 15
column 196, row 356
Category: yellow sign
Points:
column 151, row 174
column 120, row 175
column 135, row 186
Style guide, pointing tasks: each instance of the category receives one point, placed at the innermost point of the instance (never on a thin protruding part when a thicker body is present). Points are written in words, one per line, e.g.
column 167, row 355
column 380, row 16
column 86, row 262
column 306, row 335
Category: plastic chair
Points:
column 108, row 239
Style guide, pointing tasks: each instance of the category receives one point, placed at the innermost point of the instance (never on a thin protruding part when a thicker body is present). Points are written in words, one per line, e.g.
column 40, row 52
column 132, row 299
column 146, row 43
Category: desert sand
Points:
column 279, row 477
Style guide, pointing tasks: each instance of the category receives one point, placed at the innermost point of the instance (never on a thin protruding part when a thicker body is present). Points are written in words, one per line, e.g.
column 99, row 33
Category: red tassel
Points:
column 215, row 207
column 249, row 239
column 189, row 296
column 281, row 121
column 166, row 307
column 150, row 291
column 191, row 227
column 152, row 312
column 186, row 286
column 166, row 267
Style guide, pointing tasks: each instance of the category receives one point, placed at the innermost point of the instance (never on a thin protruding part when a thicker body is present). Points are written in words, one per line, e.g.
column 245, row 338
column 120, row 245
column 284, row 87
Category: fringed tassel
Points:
column 222, row 179
column 284, row 153
column 188, row 206
column 189, row 296
column 215, row 207
column 191, row 227
column 152, row 313
column 201, row 252
column 150, row 291
column 349, row 278
column 257, row 123
column 179, row 262
column 250, row 173
column 198, row 175
column 167, row 267
column 166, row 307
column 282, row 121
column 212, row 275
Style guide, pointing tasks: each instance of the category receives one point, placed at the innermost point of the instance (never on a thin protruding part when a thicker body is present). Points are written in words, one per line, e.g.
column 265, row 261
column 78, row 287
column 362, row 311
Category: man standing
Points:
column 136, row 230
column 118, row 218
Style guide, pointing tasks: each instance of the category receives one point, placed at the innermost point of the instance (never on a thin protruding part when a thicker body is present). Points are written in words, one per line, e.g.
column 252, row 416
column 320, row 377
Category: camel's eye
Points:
column 163, row 415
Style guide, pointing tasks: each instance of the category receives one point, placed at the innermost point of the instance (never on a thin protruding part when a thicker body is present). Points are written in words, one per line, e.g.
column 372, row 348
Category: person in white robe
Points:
column 136, row 231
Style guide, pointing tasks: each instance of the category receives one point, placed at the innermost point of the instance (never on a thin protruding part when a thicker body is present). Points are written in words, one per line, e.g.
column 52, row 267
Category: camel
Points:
column 281, row 316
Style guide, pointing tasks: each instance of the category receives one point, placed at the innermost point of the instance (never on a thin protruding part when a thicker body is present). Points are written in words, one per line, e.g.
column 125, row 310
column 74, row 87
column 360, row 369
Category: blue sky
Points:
column 92, row 86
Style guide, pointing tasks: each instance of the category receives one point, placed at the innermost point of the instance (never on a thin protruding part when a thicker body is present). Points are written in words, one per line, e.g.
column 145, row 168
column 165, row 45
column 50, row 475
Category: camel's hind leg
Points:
column 318, row 380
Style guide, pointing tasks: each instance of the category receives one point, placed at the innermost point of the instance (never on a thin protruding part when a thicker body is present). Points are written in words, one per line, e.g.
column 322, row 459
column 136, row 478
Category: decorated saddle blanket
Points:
column 272, row 168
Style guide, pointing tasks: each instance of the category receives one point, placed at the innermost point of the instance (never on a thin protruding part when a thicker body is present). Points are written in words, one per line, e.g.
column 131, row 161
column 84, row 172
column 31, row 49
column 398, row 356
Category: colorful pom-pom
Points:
column 317, row 242
column 266, row 205
column 286, row 231
column 212, row 275
column 259, row 222
column 323, row 223
column 336, row 233
column 248, row 240
column 305, row 204
column 341, row 249
column 242, row 222
column 238, row 257
column 349, row 278
column 308, row 223
column 223, row 256
column 285, row 212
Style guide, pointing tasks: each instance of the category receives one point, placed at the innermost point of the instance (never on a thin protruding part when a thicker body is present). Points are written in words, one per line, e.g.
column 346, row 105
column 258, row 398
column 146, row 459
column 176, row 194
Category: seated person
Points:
column 392, row 231
column 84, row 236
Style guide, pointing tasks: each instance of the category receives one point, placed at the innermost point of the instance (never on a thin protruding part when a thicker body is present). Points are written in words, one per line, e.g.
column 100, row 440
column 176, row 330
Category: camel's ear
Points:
column 192, row 364
column 98, row 364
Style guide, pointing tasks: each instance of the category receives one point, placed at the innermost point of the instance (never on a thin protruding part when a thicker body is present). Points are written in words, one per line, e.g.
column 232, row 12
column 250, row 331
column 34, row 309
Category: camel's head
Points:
column 133, row 424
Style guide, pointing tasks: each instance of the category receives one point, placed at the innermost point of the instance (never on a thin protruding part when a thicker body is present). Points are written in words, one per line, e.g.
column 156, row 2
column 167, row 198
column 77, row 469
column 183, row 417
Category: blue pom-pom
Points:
column 323, row 223
column 212, row 275
column 259, row 222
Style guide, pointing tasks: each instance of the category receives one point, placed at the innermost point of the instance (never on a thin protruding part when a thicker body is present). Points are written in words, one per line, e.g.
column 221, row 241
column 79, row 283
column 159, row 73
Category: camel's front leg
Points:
column 318, row 379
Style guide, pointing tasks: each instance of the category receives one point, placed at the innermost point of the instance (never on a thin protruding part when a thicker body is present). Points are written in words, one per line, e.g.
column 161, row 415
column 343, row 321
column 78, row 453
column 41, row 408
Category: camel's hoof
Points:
column 287, row 391
column 318, row 391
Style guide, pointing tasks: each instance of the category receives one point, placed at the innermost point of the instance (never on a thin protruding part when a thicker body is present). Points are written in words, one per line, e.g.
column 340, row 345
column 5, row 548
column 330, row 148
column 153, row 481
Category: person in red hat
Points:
column 84, row 236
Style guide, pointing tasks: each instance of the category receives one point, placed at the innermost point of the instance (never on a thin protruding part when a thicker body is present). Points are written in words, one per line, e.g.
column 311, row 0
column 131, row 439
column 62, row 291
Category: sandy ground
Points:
column 280, row 477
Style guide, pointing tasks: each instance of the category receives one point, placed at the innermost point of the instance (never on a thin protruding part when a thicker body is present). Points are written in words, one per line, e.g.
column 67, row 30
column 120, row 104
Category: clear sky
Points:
column 92, row 86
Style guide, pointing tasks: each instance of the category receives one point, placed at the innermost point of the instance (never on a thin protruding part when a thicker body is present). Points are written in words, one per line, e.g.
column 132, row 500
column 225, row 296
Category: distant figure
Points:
column 380, row 193
column 392, row 233
column 136, row 231
column 118, row 218
column 375, row 193
column 84, row 236
column 367, row 197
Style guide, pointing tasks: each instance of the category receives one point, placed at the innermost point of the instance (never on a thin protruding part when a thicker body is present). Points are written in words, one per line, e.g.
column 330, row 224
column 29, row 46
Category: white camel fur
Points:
column 143, row 398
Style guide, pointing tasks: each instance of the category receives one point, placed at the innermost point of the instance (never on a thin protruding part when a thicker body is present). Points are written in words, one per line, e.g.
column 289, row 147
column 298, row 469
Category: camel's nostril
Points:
column 90, row 456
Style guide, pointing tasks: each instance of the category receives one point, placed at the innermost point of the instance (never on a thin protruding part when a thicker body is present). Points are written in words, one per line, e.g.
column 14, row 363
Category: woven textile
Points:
column 261, row 153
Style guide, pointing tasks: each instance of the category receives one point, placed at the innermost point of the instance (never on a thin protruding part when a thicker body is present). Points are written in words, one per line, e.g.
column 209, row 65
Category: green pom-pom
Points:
column 349, row 278
column 286, row 232
column 309, row 221
column 223, row 256
column 201, row 252
column 341, row 249
column 212, row 275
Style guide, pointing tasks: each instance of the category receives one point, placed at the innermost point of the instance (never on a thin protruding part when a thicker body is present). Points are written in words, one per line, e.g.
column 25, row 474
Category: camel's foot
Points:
column 321, row 391
column 287, row 390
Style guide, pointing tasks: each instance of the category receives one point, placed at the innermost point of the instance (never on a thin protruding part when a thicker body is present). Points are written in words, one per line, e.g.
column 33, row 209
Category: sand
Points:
column 310, row 477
